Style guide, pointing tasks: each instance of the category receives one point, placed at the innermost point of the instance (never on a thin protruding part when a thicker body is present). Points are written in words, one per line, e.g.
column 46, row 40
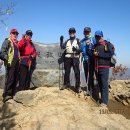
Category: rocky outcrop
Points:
column 48, row 78
column 120, row 90
column 48, row 55
column 52, row 109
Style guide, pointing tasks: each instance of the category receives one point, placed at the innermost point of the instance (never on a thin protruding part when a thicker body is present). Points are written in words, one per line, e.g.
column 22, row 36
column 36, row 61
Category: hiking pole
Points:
column 88, row 91
column 29, row 75
column 35, row 86
column 60, row 60
column 96, row 84
column 59, row 75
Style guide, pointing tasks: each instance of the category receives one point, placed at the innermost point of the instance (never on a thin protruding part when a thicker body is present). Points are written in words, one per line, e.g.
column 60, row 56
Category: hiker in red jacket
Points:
column 27, row 55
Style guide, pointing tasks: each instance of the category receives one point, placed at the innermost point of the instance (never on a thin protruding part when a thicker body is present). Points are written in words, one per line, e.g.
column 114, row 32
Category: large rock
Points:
column 120, row 89
column 52, row 109
column 48, row 78
column 48, row 55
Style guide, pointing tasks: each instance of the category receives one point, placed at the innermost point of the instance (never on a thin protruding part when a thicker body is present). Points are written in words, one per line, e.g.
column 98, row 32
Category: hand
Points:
column 31, row 57
column 61, row 38
column 96, row 53
column 74, row 49
column 6, row 62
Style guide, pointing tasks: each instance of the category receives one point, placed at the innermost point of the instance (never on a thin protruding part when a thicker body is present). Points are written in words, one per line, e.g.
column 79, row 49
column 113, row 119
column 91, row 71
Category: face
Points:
column 72, row 34
column 14, row 35
column 98, row 38
column 29, row 37
column 87, row 33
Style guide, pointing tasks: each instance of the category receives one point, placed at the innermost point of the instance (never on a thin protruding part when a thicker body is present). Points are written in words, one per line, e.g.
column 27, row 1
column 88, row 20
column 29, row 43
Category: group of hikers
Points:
column 96, row 54
column 20, row 61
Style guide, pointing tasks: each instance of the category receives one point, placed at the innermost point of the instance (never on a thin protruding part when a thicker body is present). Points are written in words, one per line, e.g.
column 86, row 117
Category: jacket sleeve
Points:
column 107, row 54
column 84, row 49
column 34, row 53
column 34, row 50
column 63, row 45
column 89, row 50
column 4, row 50
column 80, row 47
column 21, row 42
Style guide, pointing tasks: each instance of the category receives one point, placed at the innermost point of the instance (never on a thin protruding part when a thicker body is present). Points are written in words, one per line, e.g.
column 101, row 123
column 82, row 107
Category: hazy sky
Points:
column 48, row 19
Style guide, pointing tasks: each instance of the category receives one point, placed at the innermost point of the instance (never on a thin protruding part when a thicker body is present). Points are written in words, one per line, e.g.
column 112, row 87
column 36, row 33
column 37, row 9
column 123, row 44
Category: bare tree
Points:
column 5, row 12
column 119, row 71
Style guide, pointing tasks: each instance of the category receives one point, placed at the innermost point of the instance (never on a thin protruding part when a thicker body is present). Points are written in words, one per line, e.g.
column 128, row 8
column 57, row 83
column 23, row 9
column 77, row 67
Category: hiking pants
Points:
column 11, row 78
column 68, row 63
column 23, row 77
column 102, row 76
column 89, row 74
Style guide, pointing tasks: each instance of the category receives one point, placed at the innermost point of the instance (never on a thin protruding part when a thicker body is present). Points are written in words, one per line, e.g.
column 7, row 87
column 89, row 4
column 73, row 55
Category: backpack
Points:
column 113, row 58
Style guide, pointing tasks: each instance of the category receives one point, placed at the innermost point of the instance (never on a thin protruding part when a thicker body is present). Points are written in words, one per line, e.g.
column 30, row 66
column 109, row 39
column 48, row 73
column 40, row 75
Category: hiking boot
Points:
column 103, row 105
column 89, row 93
column 64, row 87
column 67, row 86
column 78, row 90
column 6, row 98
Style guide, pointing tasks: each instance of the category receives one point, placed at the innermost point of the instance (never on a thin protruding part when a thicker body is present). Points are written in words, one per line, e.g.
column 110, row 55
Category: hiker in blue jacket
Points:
column 88, row 60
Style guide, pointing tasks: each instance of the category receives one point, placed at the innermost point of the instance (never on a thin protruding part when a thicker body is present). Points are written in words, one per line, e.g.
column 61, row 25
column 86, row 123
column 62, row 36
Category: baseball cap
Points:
column 87, row 29
column 29, row 32
column 72, row 30
column 99, row 33
column 14, row 31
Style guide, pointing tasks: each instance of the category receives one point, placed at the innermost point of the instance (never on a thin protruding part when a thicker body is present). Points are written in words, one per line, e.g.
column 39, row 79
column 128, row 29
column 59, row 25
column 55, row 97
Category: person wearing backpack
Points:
column 103, row 53
column 10, row 55
column 28, row 56
column 72, row 51
column 88, row 59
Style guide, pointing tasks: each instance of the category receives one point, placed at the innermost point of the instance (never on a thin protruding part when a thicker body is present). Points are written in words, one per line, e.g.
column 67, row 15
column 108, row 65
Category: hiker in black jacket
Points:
column 103, row 53
column 11, row 56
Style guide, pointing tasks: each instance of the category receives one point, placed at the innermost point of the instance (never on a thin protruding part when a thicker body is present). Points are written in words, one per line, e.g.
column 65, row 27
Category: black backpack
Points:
column 113, row 58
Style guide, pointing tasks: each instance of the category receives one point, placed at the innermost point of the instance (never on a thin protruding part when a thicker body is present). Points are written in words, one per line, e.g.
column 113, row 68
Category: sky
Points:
column 49, row 19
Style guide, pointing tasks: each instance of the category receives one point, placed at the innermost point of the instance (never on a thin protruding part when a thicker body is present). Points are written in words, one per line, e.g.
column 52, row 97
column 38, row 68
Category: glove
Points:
column 61, row 39
column 31, row 56
column 74, row 49
column 96, row 53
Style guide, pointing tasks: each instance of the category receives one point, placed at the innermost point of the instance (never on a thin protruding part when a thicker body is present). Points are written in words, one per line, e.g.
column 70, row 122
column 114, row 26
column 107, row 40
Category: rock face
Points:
column 48, row 55
column 48, row 78
column 52, row 109
column 120, row 90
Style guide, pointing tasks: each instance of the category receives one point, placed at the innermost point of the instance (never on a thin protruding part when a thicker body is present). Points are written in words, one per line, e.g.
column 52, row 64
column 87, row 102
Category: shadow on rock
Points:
column 6, row 117
column 118, row 108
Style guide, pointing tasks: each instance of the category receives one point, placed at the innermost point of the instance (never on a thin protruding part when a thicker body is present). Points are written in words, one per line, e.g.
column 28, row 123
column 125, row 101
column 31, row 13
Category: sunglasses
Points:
column 96, row 36
column 87, row 31
column 29, row 34
column 71, row 32
column 14, row 33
